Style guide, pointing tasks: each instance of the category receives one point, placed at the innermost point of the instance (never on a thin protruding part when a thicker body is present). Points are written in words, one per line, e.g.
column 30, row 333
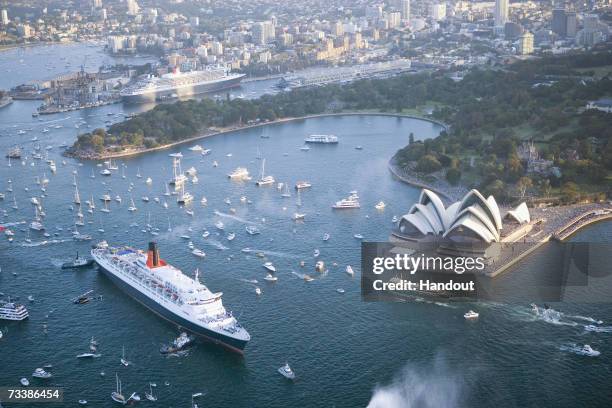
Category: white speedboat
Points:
column 349, row 270
column 257, row 291
column 587, row 350
column 199, row 253
column 287, row 372
column 269, row 266
column 219, row 225
column 302, row 184
column 298, row 216
column 471, row 315
column 41, row 373
column 252, row 230
column 380, row 206
column 24, row 381
column 270, row 278
column 231, row 236
column 326, row 237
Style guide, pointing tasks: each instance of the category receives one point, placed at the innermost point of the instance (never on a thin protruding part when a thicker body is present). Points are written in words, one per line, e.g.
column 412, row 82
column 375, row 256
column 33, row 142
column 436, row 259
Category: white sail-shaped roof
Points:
column 520, row 214
column 471, row 222
column 473, row 212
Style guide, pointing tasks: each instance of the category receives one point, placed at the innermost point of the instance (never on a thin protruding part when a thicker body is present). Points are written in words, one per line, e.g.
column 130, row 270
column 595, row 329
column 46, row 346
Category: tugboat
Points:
column 180, row 343
column 78, row 263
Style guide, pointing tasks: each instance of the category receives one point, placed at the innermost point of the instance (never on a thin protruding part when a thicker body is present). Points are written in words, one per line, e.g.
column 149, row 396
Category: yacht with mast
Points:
column 171, row 294
column 263, row 179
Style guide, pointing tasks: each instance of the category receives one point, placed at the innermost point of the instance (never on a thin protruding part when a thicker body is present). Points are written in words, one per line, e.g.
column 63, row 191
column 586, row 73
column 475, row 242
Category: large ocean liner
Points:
column 171, row 294
column 179, row 84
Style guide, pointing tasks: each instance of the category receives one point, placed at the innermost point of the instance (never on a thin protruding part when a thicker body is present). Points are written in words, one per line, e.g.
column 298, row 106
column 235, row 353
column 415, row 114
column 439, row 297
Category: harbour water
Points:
column 345, row 352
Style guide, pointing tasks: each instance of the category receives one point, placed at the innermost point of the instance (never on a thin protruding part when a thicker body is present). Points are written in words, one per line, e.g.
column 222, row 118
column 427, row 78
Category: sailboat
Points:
column 149, row 395
column 77, row 197
column 138, row 175
column 286, row 192
column 263, row 179
column 93, row 176
column 184, row 197
column 117, row 396
column 123, row 172
column 132, row 206
column 123, row 360
column 105, row 209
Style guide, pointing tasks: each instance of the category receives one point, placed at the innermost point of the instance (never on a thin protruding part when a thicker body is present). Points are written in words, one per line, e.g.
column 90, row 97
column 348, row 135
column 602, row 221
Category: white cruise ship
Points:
column 324, row 139
column 12, row 311
column 171, row 294
column 179, row 84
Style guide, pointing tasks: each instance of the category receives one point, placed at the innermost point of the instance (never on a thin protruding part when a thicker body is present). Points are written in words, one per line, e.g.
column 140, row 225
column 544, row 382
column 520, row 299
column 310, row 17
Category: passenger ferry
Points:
column 12, row 311
column 324, row 139
column 171, row 294
column 346, row 203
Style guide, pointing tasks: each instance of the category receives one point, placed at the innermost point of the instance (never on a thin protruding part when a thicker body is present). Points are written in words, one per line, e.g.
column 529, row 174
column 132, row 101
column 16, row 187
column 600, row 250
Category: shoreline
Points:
column 129, row 153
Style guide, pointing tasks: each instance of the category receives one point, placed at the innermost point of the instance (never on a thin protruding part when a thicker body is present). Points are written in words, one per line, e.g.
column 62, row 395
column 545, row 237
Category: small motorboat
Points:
column 269, row 266
column 257, row 291
column 287, row 372
column 252, row 230
column 180, row 343
column 78, row 262
column 316, row 253
column 340, row 290
column 199, row 253
column 308, row 278
column 271, row 278
column 82, row 402
column 219, row 225
column 149, row 395
column 326, row 237
column 349, row 270
column 24, row 381
column 380, row 206
column 231, row 236
column 41, row 373
column 358, row 236
column 471, row 315
column 587, row 350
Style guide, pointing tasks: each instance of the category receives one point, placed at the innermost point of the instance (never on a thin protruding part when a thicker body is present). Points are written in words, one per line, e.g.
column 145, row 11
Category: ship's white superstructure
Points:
column 12, row 311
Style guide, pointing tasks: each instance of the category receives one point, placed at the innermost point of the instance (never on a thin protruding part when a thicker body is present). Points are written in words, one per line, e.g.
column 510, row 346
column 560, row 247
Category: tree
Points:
column 428, row 164
column 570, row 192
column 453, row 175
column 523, row 184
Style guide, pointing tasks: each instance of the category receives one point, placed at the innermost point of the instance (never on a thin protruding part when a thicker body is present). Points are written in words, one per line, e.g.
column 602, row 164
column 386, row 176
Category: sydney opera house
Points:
column 475, row 220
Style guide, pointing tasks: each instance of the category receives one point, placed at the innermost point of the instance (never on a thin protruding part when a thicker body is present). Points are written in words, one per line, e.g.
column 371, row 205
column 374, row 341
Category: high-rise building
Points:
column 525, row 45
column 393, row 19
column 5, row 19
column 337, row 29
column 512, row 30
column 559, row 22
column 97, row 3
column 570, row 24
column 133, row 7
column 438, row 11
column 501, row 12
column 405, row 9
column 262, row 32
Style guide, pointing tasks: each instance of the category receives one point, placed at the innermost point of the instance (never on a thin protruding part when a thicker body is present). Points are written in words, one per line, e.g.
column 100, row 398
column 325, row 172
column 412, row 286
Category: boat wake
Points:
column 234, row 217
column 46, row 242
column 272, row 253
column 585, row 318
column 253, row 281
column 218, row 245
column 598, row 329
column 422, row 387
column 579, row 350
column 299, row 275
